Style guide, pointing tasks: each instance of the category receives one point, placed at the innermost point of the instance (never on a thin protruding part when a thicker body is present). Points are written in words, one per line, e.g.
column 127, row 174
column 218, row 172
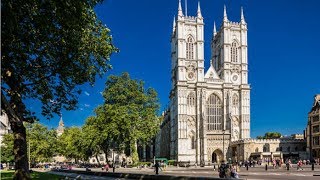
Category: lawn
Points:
column 34, row 175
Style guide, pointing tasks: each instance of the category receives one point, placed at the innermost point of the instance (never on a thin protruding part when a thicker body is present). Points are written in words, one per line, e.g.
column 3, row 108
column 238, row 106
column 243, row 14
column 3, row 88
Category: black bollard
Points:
column 214, row 167
column 288, row 167
column 312, row 167
column 247, row 167
column 113, row 168
column 266, row 167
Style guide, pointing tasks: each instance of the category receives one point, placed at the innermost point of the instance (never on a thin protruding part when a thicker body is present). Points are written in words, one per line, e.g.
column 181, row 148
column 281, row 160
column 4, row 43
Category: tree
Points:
column 130, row 111
column 270, row 135
column 69, row 143
column 43, row 142
column 48, row 48
column 7, row 155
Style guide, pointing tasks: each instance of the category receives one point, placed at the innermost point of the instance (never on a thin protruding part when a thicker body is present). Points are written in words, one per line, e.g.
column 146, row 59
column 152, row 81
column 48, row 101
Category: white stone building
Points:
column 4, row 125
column 208, row 109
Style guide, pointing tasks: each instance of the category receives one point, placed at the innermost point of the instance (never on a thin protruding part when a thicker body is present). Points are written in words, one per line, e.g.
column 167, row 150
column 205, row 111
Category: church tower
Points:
column 187, row 58
column 208, row 110
column 230, row 59
column 60, row 128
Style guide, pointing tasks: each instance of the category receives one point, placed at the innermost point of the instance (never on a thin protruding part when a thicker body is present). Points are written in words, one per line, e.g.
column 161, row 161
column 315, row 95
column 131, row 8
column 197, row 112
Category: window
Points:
column 315, row 118
column 234, row 52
column 235, row 104
column 315, row 129
column 214, row 113
column 316, row 140
column 280, row 148
column 288, row 149
column 193, row 142
column 190, row 48
column 191, row 99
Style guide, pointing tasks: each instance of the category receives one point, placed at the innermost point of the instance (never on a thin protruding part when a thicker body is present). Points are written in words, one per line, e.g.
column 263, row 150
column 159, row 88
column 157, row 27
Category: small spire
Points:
column 214, row 28
column 242, row 16
column 186, row 6
column 225, row 17
column 61, row 121
column 199, row 11
column 180, row 9
column 174, row 24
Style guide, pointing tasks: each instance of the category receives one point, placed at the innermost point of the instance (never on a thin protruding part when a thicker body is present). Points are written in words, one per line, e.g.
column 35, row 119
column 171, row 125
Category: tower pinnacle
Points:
column 225, row 17
column 242, row 16
column 199, row 15
column 214, row 28
column 174, row 24
column 180, row 9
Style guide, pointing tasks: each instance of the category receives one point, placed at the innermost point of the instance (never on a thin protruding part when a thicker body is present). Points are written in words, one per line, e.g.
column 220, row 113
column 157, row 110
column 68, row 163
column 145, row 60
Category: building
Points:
column 313, row 129
column 4, row 125
column 209, row 115
column 61, row 127
column 209, row 109
column 293, row 147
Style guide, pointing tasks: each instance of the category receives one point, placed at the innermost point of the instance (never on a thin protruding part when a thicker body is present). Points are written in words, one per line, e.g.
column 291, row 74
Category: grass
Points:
column 34, row 175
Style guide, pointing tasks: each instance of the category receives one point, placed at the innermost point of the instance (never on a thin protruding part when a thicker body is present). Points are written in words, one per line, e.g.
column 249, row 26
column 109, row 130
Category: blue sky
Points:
column 283, row 46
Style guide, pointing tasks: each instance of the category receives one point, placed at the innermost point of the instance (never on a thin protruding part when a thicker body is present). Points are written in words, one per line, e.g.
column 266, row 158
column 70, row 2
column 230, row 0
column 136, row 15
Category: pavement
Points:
column 256, row 173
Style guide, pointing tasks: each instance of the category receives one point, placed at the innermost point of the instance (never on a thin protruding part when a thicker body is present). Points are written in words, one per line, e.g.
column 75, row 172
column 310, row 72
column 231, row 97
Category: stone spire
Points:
column 242, row 17
column 214, row 28
column 180, row 9
column 199, row 15
column 225, row 17
column 60, row 128
column 174, row 24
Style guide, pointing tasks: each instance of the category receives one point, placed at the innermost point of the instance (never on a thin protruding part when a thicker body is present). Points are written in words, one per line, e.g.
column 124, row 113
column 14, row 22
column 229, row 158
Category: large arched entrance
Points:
column 217, row 156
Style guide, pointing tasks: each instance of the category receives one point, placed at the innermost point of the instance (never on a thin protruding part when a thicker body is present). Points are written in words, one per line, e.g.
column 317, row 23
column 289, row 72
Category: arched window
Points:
column 235, row 103
column 280, row 148
column 234, row 52
column 193, row 142
column 191, row 99
column 288, row 149
column 214, row 113
column 190, row 48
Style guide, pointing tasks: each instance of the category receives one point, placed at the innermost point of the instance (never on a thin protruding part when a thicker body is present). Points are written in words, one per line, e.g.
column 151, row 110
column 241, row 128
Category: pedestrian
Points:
column 157, row 165
column 222, row 170
column 107, row 167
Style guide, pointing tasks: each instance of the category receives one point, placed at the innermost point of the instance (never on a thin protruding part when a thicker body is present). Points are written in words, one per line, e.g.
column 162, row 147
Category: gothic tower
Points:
column 208, row 109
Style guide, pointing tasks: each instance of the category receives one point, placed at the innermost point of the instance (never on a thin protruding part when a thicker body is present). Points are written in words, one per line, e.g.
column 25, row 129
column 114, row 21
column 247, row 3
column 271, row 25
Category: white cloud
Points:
column 86, row 93
column 86, row 105
column 101, row 93
column 81, row 109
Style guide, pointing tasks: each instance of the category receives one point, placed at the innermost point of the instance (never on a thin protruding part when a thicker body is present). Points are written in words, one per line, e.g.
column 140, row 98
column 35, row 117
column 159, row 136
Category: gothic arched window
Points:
column 235, row 104
column 192, row 140
column 191, row 99
column 214, row 113
column 234, row 52
column 190, row 48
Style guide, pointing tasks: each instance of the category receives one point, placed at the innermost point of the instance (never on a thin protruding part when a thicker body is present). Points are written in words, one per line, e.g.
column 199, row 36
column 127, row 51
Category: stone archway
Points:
column 216, row 156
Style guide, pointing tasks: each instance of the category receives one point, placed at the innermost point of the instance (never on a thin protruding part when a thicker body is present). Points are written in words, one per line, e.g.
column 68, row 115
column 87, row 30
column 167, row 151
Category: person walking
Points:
column 157, row 167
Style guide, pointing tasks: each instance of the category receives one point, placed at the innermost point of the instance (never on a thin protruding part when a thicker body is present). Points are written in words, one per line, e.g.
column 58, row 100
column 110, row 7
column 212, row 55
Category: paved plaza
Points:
column 252, row 173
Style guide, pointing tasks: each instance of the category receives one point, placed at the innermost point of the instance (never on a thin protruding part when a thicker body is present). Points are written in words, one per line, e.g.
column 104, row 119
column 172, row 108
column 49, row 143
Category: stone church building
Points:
column 208, row 109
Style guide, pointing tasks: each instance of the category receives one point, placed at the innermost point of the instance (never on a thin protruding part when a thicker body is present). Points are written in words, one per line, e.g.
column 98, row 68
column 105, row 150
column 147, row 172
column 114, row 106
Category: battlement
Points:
column 281, row 140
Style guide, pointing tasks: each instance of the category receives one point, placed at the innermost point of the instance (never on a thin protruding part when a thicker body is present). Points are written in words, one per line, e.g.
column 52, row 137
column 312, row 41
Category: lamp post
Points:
column 223, row 131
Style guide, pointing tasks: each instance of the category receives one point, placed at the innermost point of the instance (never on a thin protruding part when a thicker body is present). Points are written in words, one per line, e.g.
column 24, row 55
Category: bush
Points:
column 172, row 162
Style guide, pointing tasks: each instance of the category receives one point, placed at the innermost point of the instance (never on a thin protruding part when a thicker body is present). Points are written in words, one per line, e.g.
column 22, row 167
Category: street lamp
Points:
column 223, row 131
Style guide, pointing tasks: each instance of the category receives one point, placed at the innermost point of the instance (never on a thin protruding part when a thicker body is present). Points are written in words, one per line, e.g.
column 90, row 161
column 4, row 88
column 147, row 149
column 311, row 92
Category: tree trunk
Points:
column 20, row 151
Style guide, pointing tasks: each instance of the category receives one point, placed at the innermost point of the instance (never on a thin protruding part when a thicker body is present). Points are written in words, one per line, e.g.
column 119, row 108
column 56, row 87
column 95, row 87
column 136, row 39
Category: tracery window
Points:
column 235, row 104
column 191, row 99
column 192, row 140
column 214, row 113
column 190, row 48
column 234, row 52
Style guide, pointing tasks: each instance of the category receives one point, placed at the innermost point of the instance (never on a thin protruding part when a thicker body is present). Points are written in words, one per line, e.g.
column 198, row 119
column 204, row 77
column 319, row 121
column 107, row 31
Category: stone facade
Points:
column 268, row 149
column 313, row 129
column 209, row 115
column 209, row 109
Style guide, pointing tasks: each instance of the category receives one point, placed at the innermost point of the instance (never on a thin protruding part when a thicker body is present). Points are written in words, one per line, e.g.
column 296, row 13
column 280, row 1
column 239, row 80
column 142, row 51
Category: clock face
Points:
column 235, row 77
column 191, row 75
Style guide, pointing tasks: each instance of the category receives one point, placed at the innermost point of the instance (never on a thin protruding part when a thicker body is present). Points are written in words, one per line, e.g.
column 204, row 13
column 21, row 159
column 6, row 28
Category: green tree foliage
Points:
column 69, row 143
column 270, row 135
column 48, row 48
column 129, row 114
column 7, row 155
column 43, row 142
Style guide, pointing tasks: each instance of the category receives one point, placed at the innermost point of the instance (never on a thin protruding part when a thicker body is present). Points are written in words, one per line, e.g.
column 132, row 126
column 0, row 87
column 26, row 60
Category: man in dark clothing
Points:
column 157, row 167
column 222, row 170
